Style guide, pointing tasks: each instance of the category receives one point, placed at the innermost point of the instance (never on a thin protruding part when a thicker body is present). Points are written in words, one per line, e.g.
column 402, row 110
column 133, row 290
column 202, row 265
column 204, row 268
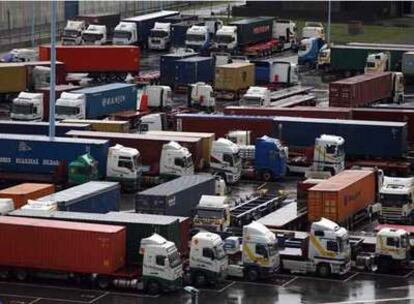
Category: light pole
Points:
column 33, row 23
column 52, row 71
column 329, row 23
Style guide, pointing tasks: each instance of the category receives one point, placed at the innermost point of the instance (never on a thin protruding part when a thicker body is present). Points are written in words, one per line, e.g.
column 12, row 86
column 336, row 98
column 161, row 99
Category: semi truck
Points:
column 72, row 33
column 93, row 59
column 309, row 50
column 179, row 32
column 275, row 72
column 198, row 39
column 136, row 30
column 256, row 96
column 99, row 27
column 96, row 102
column 160, row 36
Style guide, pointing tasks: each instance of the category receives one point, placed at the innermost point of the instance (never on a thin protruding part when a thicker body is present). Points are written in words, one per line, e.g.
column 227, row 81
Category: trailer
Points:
column 294, row 101
column 287, row 217
column 288, row 92
column 39, row 128
column 233, row 79
column 168, row 68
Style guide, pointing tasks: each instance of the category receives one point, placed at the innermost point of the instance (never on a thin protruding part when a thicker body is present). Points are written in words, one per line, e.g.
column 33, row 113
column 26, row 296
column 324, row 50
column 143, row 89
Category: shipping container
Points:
column 253, row 30
column 302, row 188
column 167, row 66
column 194, row 69
column 106, row 99
column 234, row 76
column 149, row 146
column 96, row 58
column 179, row 32
column 61, row 246
column 388, row 115
column 361, row 90
column 120, row 126
column 39, row 128
column 221, row 125
column 138, row 226
column 342, row 196
column 93, row 197
column 301, row 111
column 178, row 197
column 34, row 154
column 20, row 194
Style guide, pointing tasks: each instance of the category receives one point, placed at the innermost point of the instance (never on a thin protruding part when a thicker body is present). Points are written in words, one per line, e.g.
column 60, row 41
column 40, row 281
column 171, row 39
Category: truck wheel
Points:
column 252, row 275
column 266, row 176
column 21, row 274
column 4, row 274
column 103, row 282
column 153, row 288
column 200, row 279
column 324, row 270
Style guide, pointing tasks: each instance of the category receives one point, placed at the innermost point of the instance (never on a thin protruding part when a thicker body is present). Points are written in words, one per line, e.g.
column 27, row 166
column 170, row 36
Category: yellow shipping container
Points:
column 119, row 126
column 13, row 77
column 234, row 76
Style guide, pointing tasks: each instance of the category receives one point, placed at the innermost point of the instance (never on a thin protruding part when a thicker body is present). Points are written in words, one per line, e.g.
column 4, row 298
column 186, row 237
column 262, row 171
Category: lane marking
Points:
column 135, row 295
column 220, row 290
column 409, row 274
column 351, row 277
column 51, row 286
column 99, row 297
column 34, row 301
column 372, row 301
column 288, row 282
column 42, row 298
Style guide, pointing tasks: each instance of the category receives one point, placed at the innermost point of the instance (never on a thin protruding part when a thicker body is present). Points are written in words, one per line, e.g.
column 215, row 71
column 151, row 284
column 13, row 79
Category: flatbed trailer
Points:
column 287, row 217
column 284, row 93
column 295, row 100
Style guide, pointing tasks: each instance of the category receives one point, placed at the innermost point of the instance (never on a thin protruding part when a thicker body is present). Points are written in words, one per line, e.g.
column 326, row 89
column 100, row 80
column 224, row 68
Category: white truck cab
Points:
column 256, row 96
column 152, row 122
column 240, row 137
column 72, row 33
column 285, row 32
column 324, row 57
column 208, row 260
column 175, row 160
column 160, row 36
column 6, row 206
column 378, row 62
column 225, row 160
column 125, row 33
column 41, row 206
column 398, row 86
column 27, row 106
column 159, row 96
column 123, row 166
column 162, row 265
column 71, row 106
column 213, row 213
column 202, row 96
column 95, row 35
column 313, row 29
column 20, row 55
column 226, row 38
column 392, row 244
column 397, row 200
column 329, row 154
column 197, row 37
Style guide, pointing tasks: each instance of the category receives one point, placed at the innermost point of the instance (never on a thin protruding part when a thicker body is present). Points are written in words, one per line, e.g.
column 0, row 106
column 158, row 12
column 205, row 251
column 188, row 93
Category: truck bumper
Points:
column 268, row 272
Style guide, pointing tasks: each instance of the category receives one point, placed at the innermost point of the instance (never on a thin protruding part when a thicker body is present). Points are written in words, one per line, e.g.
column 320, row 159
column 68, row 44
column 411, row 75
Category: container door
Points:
column 330, row 205
column 315, row 200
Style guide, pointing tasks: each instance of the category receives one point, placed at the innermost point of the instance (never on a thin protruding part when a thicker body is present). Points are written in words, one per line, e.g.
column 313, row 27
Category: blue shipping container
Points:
column 92, row 197
column 362, row 138
column 37, row 154
column 194, row 69
column 109, row 98
column 167, row 66
column 39, row 128
column 262, row 71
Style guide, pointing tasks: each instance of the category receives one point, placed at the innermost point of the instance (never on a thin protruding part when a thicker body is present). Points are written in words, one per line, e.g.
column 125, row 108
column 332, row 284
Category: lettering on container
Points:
column 261, row 29
column 171, row 201
column 352, row 197
column 108, row 101
column 6, row 160
column 32, row 161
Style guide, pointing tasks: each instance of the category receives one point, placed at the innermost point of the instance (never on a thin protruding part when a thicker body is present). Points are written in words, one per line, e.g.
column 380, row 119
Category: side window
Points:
column 178, row 162
column 332, row 246
column 125, row 162
column 227, row 158
column 144, row 127
column 260, row 250
column 207, row 253
column 392, row 242
column 160, row 260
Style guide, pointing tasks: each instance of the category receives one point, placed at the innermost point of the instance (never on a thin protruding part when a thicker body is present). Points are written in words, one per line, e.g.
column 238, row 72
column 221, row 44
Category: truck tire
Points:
column 102, row 282
column 199, row 279
column 153, row 288
column 266, row 176
column 252, row 275
column 4, row 273
column 323, row 270
column 21, row 274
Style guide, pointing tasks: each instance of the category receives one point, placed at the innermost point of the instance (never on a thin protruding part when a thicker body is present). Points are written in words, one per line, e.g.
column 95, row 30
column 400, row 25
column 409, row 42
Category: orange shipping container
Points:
column 342, row 196
column 23, row 192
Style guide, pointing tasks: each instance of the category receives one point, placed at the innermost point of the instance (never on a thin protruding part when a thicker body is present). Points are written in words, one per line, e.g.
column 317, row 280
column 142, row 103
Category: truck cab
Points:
column 397, row 200
column 95, row 35
column 197, row 38
column 309, row 51
column 125, row 33
column 83, row 169
column 259, row 256
column 162, row 265
column 175, row 160
column 20, row 55
column 225, row 160
column 324, row 57
column 392, row 249
column 213, row 213
column 208, row 260
column 71, row 106
column 329, row 154
column 153, row 122
column 202, row 96
column 159, row 96
column 285, row 32
column 270, row 158
column 72, row 33
column 256, row 96
column 313, row 30
column 378, row 62
column 398, row 87
column 160, row 36
column 28, row 107
column 226, row 38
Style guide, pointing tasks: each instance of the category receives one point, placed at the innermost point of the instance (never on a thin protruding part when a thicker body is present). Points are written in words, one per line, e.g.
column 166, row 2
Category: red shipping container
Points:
column 360, row 90
column 61, row 246
column 96, row 58
column 59, row 90
column 221, row 125
column 149, row 146
column 387, row 115
column 307, row 112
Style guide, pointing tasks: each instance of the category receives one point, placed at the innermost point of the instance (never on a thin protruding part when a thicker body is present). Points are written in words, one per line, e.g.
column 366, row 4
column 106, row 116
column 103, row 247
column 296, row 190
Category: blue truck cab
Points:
column 309, row 51
column 270, row 158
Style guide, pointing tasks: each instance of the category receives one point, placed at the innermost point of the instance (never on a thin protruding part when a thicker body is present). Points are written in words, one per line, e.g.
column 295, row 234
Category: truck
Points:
column 72, row 33
column 96, row 102
column 198, row 39
column 201, row 96
column 160, row 36
column 136, row 30
column 22, row 193
column 213, row 213
column 270, row 73
column 93, row 59
column 159, row 96
column 19, row 55
column 256, row 96
column 362, row 90
column 309, row 50
column 252, row 36
column 167, row 66
column 313, row 30
column 95, row 35
column 285, row 32
column 233, row 79
column 94, row 197
column 179, row 32
column 396, row 199
column 35, row 106
column 178, row 197
column 49, row 241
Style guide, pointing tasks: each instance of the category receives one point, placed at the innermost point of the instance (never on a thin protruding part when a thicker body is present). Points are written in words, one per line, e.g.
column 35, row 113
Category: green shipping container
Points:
column 138, row 226
column 13, row 78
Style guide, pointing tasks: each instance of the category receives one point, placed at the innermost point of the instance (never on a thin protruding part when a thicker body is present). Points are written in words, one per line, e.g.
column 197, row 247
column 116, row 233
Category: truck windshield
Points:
column 404, row 241
column 272, row 249
column 122, row 35
column 250, row 101
column 370, row 64
column 236, row 158
column 340, row 150
column 219, row 251
column 89, row 37
column 224, row 39
column 160, row 34
column 71, row 33
column 174, row 259
column 210, row 213
column 195, row 37
column 66, row 110
column 343, row 244
column 394, row 200
column 137, row 162
column 22, row 109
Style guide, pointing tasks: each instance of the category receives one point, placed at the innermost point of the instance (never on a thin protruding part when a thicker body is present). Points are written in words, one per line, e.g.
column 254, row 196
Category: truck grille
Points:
column 391, row 213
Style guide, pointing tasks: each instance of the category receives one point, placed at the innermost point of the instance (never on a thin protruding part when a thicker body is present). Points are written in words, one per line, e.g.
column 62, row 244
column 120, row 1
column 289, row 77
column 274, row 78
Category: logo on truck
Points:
column 113, row 100
column 23, row 147
column 261, row 29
